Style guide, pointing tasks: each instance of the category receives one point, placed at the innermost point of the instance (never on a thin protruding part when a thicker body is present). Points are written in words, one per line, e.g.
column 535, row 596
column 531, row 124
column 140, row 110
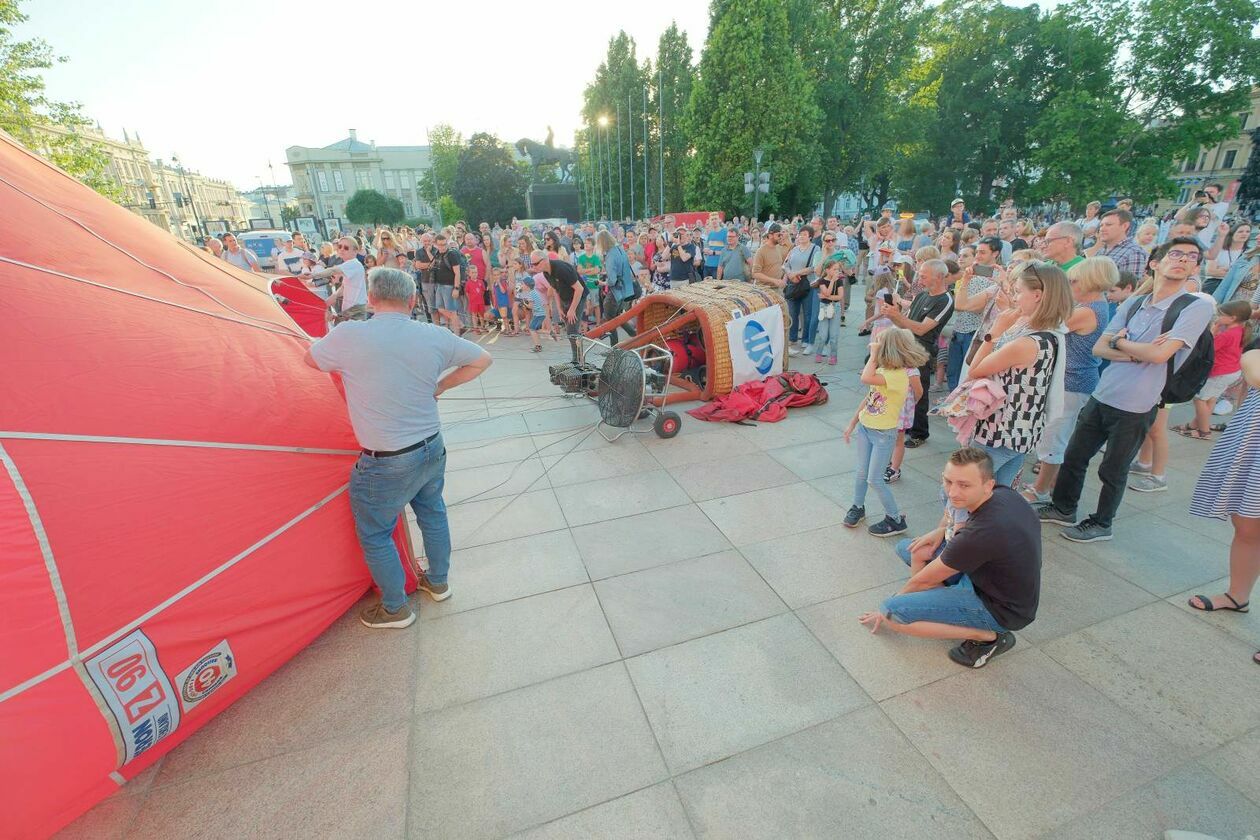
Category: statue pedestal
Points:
column 553, row 201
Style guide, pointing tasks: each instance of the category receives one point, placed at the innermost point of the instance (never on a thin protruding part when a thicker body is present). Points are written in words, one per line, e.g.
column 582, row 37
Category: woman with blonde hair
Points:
column 1027, row 360
column 386, row 247
column 895, row 352
column 1091, row 279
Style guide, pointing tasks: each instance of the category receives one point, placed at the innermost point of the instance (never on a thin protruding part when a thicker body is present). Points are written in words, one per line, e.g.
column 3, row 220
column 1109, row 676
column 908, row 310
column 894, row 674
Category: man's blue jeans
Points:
column 379, row 490
column 874, row 453
column 958, row 345
column 958, row 605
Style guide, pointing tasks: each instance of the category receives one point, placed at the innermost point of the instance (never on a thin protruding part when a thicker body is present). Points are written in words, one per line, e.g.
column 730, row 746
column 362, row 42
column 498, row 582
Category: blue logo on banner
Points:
column 757, row 346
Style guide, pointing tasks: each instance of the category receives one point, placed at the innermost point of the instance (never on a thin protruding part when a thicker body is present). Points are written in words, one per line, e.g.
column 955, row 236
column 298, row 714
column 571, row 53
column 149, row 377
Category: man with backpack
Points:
column 1160, row 351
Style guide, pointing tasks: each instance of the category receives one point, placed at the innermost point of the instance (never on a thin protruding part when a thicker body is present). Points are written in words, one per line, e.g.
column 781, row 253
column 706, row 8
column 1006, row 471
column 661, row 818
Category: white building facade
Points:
column 325, row 178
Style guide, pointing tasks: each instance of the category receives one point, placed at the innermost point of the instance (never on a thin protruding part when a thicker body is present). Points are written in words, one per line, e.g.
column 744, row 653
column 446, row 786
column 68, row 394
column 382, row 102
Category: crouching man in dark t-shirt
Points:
column 996, row 557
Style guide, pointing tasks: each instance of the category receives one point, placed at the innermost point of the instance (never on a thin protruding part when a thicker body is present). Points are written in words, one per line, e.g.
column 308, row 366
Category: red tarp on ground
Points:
column 766, row 401
column 174, row 523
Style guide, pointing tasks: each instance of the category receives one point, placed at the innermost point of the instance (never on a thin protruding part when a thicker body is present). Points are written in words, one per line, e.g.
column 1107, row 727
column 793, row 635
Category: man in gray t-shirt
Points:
column 393, row 369
column 734, row 263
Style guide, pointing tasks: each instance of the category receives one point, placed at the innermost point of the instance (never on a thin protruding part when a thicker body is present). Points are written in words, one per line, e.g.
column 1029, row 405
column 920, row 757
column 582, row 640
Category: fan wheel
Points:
column 667, row 424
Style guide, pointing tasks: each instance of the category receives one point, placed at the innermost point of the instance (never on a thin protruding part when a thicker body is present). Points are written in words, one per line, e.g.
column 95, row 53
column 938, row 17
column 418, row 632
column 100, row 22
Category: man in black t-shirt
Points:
column 447, row 283
column 992, row 565
column 684, row 258
column 569, row 288
column 929, row 312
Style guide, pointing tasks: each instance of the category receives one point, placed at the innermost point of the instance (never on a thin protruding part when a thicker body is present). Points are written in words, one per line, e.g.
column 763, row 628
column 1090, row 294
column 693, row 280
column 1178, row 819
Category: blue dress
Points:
column 1230, row 481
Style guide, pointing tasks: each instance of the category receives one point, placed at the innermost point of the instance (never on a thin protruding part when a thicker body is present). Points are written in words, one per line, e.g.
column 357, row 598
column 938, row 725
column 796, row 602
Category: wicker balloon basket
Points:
column 706, row 308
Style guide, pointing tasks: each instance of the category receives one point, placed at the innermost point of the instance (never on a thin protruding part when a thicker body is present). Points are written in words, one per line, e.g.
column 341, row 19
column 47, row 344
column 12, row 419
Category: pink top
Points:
column 1228, row 346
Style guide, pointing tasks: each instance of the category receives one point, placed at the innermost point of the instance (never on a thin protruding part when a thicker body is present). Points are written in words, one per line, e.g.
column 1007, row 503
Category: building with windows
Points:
column 175, row 199
column 1220, row 164
column 325, row 178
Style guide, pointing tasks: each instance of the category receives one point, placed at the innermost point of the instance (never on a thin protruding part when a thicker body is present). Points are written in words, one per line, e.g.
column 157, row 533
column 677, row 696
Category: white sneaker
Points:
column 792, row 351
column 1222, row 408
column 809, row 350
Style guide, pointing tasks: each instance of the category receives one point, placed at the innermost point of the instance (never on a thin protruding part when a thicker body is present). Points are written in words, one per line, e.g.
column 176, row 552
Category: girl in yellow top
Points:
column 876, row 423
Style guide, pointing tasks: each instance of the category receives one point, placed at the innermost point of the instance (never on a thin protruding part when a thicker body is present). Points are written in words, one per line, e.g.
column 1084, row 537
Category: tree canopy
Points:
column 372, row 207
column 54, row 129
column 488, row 185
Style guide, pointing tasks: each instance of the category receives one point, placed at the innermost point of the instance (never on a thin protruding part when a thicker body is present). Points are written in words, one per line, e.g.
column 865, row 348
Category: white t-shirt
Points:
column 289, row 261
column 243, row 258
column 354, row 284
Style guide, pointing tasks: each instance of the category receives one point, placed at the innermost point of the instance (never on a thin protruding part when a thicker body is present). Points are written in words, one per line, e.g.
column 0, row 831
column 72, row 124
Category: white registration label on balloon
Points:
column 756, row 343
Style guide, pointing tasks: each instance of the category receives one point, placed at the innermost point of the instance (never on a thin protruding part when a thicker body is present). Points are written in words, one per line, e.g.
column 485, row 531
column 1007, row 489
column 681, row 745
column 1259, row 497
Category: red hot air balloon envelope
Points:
column 174, row 519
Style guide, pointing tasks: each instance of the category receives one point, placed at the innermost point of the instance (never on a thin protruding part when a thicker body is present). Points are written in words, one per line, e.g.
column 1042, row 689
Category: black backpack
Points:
column 1186, row 381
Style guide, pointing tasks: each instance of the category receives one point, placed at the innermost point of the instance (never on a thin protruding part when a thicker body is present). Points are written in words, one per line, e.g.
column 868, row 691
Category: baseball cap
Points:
column 956, row 201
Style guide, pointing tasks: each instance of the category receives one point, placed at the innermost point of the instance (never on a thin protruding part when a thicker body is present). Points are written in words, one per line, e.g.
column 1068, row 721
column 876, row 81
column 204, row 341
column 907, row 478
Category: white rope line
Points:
column 132, row 256
column 198, row 444
column 187, row 590
column 45, row 550
column 280, row 328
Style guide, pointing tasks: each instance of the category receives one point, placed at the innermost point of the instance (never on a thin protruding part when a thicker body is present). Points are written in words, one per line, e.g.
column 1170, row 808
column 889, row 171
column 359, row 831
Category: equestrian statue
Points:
column 546, row 154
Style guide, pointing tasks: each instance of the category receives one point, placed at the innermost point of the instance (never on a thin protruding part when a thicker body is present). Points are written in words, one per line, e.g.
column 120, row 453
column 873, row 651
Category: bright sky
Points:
column 228, row 92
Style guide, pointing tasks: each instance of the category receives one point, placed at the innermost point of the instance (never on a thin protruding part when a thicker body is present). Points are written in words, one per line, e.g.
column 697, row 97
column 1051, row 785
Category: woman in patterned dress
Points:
column 1229, row 487
column 1024, row 362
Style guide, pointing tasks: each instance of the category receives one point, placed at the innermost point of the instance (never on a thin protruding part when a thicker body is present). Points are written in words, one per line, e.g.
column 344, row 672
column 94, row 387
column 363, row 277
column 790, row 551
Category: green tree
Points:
column 372, row 207
column 752, row 91
column 849, row 50
column 488, row 184
column 445, row 145
column 288, row 214
column 612, row 105
column 669, row 98
column 1185, row 71
column 449, row 211
column 1249, row 184
column 54, row 129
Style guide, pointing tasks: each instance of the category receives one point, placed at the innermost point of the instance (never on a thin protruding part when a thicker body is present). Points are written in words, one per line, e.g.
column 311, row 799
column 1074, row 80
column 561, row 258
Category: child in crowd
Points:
column 884, row 288
column 502, row 299
column 1122, row 291
column 1229, row 336
column 876, row 423
column 830, row 311
column 537, row 310
column 475, row 295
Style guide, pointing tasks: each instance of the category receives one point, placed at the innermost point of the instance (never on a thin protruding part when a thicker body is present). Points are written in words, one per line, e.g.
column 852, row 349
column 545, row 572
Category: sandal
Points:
column 537, row 348
column 1194, row 434
column 1182, row 429
column 1217, row 427
column 1208, row 606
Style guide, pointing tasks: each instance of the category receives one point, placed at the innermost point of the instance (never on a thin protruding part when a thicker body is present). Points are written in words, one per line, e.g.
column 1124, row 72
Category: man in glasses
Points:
column 1123, row 406
column 1062, row 244
column 569, row 289
column 351, row 298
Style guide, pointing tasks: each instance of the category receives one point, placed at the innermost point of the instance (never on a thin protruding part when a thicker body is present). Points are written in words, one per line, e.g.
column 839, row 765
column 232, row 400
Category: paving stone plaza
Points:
column 658, row 639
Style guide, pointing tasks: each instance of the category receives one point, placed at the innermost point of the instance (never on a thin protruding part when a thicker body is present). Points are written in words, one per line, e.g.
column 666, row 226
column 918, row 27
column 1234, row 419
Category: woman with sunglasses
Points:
column 386, row 248
column 1027, row 358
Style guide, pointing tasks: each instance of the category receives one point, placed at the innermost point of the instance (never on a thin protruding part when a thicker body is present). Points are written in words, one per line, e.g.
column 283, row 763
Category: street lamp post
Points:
column 630, row 131
column 607, row 153
column 603, row 162
column 183, row 181
column 621, row 196
column 757, row 153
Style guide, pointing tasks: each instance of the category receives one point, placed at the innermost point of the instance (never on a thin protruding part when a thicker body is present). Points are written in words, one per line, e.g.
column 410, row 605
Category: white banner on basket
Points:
column 756, row 343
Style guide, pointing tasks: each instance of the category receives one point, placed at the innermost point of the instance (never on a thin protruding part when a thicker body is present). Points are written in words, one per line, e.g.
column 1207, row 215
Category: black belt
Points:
column 377, row 453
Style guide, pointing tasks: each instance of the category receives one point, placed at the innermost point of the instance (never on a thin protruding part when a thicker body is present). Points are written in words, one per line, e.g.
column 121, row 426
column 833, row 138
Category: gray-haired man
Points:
column 393, row 369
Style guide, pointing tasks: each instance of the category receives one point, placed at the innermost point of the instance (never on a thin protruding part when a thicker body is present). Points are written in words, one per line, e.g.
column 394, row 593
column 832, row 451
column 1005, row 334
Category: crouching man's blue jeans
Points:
column 957, row 605
column 379, row 490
